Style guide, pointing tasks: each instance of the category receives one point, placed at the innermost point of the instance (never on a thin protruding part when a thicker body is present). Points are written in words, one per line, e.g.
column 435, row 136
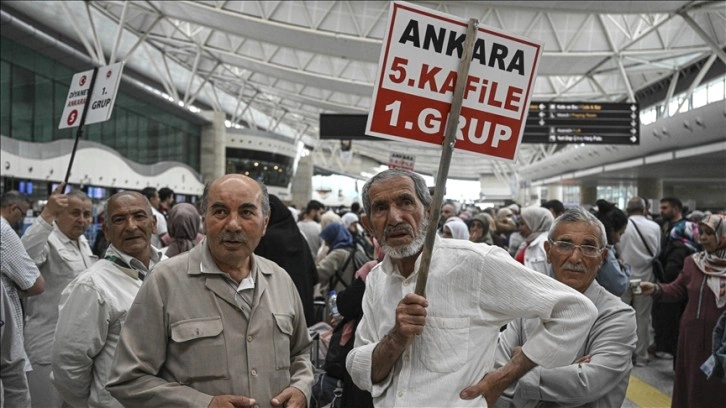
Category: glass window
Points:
column 5, row 98
column 121, row 144
column 43, row 123
column 716, row 91
column 33, row 91
column 22, row 94
column 700, row 97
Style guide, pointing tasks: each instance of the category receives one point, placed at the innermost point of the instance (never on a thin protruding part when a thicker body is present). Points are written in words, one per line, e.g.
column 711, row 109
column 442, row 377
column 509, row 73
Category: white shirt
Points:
column 60, row 260
column 92, row 310
column 161, row 228
column 535, row 256
column 18, row 272
column 473, row 289
column 633, row 251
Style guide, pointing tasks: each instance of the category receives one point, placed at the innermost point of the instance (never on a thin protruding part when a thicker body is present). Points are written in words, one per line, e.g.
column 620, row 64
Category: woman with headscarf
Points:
column 534, row 224
column 506, row 225
column 183, row 227
column 479, row 229
column 284, row 244
column 336, row 270
column 702, row 284
column 613, row 275
column 455, row 228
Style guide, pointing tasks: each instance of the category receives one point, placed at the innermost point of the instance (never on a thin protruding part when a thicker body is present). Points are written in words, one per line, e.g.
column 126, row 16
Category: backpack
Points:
column 359, row 258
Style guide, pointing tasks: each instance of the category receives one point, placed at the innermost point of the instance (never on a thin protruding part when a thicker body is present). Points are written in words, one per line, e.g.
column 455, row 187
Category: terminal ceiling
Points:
column 276, row 65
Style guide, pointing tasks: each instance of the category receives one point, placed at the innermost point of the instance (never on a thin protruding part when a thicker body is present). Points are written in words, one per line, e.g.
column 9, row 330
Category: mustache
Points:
column 574, row 267
column 398, row 229
column 233, row 236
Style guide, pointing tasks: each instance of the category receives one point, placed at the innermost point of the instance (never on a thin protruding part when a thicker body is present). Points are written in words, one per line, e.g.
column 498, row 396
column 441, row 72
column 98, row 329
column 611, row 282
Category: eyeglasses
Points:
column 567, row 248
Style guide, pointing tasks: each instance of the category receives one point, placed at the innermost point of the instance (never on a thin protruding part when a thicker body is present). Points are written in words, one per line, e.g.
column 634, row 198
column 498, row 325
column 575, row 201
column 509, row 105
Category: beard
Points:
column 411, row 249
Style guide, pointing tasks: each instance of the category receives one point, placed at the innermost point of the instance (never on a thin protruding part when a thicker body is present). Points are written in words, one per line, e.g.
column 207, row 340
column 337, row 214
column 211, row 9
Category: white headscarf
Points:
column 538, row 219
column 458, row 228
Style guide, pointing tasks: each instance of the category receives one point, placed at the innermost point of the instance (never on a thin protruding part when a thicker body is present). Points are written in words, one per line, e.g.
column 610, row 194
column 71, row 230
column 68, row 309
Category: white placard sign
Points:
column 101, row 103
column 76, row 100
column 417, row 74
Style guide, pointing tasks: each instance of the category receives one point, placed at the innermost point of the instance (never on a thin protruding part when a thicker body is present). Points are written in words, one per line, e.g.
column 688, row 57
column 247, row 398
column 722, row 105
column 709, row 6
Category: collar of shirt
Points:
column 137, row 269
column 207, row 265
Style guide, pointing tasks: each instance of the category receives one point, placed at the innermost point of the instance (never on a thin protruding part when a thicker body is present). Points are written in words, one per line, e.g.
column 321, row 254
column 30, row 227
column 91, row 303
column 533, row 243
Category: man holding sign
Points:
column 439, row 351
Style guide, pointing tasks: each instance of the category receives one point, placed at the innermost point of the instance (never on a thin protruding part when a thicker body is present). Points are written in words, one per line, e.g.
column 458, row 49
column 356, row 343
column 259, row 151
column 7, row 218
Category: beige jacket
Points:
column 186, row 339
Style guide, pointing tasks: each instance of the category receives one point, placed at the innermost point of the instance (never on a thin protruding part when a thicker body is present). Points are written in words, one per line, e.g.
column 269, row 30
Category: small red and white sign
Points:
column 72, row 117
column 401, row 161
column 417, row 74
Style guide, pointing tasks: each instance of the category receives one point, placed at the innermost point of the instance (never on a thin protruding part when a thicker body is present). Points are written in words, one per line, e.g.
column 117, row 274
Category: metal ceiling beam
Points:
column 142, row 38
column 320, row 42
column 697, row 80
column 119, row 30
column 190, row 99
column 76, row 27
column 705, row 37
column 96, row 40
column 672, row 87
column 169, row 88
column 626, row 46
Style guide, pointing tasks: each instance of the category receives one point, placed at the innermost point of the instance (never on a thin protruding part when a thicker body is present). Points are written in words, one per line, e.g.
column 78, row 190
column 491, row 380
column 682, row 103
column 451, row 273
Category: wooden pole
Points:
column 452, row 124
column 79, row 132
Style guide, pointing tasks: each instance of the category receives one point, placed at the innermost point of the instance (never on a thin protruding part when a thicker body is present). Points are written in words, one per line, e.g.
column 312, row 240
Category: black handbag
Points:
column 658, row 270
column 337, row 353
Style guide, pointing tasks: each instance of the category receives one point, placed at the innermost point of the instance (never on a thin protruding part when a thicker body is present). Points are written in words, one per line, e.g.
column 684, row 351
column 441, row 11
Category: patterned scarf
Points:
column 713, row 263
column 687, row 233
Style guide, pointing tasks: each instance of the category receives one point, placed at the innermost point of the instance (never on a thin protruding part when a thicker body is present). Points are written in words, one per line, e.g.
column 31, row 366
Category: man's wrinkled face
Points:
column 398, row 219
column 234, row 221
column 129, row 224
column 16, row 215
column 76, row 218
column 570, row 265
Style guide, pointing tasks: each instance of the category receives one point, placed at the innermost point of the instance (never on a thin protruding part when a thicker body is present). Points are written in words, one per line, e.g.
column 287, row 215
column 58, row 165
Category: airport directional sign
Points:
column 583, row 122
column 547, row 122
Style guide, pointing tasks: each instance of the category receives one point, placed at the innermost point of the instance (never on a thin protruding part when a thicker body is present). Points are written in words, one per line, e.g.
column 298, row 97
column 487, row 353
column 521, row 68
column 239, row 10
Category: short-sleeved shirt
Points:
column 18, row 270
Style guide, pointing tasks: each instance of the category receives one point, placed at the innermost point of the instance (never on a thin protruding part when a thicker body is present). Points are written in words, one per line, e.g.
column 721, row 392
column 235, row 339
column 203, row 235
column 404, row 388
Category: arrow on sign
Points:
column 633, row 139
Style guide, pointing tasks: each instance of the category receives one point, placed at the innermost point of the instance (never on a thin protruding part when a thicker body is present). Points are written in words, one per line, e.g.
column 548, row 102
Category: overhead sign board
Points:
column 547, row 122
column 102, row 101
column 417, row 75
column 583, row 122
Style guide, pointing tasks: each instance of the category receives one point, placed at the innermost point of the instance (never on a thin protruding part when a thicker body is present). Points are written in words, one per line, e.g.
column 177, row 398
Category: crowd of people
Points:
column 211, row 305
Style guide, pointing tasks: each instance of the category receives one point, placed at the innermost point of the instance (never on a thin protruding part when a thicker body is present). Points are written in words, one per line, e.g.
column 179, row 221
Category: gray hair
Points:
column 79, row 195
column 636, row 205
column 13, row 197
column 265, row 197
column 106, row 218
column 422, row 191
column 578, row 214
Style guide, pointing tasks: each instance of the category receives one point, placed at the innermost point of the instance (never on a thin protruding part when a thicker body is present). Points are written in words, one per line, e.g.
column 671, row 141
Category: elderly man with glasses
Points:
column 599, row 376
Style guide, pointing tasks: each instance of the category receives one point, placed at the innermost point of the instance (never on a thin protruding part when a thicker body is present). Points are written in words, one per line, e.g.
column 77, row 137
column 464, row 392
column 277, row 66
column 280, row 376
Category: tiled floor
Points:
column 650, row 386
